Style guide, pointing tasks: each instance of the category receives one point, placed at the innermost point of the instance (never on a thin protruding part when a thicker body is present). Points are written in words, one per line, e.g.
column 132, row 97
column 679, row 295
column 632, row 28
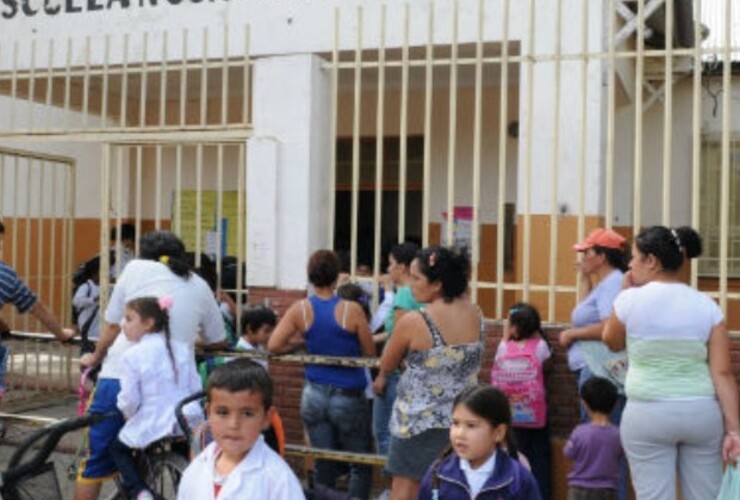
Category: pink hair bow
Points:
column 165, row 302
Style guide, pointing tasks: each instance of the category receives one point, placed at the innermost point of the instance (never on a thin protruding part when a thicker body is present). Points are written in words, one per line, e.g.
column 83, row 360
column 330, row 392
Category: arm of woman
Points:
column 720, row 368
column 398, row 344
column 281, row 338
column 588, row 332
column 615, row 334
column 362, row 329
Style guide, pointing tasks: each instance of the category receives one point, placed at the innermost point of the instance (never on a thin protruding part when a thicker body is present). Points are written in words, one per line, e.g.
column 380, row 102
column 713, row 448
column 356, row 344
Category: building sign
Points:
column 11, row 9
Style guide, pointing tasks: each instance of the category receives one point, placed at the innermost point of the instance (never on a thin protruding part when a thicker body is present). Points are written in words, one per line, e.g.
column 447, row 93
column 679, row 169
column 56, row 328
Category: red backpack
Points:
column 518, row 373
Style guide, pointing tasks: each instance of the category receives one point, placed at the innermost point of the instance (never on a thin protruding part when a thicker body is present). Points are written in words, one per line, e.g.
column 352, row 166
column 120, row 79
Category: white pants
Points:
column 662, row 437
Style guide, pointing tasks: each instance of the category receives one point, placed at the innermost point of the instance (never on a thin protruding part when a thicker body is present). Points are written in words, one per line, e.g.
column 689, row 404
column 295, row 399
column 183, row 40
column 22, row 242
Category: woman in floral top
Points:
column 442, row 347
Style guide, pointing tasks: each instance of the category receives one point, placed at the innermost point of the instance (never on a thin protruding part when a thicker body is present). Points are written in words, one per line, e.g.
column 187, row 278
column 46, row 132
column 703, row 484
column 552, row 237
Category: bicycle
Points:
column 36, row 478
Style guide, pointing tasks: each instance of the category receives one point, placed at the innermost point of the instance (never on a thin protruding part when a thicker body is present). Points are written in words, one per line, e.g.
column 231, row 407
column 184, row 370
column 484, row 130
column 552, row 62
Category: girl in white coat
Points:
column 150, row 388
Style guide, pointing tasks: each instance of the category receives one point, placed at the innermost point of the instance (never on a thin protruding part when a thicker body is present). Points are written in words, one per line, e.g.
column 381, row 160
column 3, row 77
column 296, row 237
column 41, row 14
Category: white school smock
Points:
column 150, row 391
column 261, row 475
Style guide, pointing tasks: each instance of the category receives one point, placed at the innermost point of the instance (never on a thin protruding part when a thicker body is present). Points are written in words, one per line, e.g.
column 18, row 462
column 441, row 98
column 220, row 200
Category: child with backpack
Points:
column 86, row 304
column 483, row 463
column 518, row 370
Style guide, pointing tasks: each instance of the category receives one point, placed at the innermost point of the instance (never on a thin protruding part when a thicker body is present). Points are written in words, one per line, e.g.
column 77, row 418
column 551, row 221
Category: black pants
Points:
column 535, row 445
column 123, row 457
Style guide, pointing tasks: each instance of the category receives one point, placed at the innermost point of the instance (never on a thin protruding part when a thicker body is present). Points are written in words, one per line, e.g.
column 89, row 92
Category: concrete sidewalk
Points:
column 66, row 455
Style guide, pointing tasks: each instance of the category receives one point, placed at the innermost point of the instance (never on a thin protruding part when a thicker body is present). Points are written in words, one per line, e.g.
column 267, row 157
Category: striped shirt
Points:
column 13, row 290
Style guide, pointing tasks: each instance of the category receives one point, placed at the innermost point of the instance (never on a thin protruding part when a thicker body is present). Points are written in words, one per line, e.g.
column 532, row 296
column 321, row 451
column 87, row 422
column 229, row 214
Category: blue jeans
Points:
column 124, row 459
column 382, row 408
column 337, row 419
column 616, row 418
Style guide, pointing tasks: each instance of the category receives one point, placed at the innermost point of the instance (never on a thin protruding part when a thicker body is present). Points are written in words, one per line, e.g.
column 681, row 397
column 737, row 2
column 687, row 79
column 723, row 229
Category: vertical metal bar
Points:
column 53, row 216
column 143, row 82
column 610, row 127
column 668, row 114
column 225, row 78
column 40, row 282
column 333, row 129
column 726, row 159
column 502, row 163
column 452, row 136
column 49, row 82
column 67, row 85
column 403, row 132
column 68, row 236
column 104, row 98
column 246, row 91
column 163, row 85
column 139, row 169
column 639, row 81
column 178, row 189
column 32, row 84
column 124, row 83
column 526, row 240
column 554, row 182
column 477, row 127
column 428, row 98
column 198, row 201
column 16, row 219
column 356, row 143
column 379, row 152
column 27, row 243
column 219, row 207
column 204, row 79
column 696, row 135
column 14, row 85
column 158, row 189
column 184, row 79
column 105, row 224
column 119, row 209
column 240, row 229
column 86, row 85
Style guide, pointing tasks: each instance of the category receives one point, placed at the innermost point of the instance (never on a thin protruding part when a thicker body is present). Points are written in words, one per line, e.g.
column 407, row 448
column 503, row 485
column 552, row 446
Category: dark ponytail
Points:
column 669, row 246
column 167, row 248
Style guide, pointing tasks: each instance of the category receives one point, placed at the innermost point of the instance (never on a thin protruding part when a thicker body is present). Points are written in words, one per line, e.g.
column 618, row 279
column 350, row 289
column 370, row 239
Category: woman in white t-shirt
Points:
column 681, row 392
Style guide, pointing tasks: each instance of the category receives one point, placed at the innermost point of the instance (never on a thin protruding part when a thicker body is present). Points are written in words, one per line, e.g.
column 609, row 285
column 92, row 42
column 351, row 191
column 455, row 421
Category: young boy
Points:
column 594, row 447
column 257, row 325
column 238, row 464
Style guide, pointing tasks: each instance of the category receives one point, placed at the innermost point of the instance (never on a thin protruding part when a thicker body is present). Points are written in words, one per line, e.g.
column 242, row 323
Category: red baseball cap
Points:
column 601, row 238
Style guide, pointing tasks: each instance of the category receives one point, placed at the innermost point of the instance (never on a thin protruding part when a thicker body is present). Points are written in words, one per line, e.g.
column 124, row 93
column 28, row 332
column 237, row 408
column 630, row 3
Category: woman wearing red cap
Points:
column 601, row 272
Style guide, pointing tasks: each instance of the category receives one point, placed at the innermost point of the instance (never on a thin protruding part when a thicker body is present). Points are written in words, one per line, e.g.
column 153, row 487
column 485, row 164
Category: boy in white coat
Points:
column 238, row 464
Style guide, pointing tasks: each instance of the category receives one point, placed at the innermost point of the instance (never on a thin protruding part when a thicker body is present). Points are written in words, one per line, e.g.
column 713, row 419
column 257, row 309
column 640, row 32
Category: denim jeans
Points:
column 382, row 407
column 337, row 419
column 122, row 456
column 616, row 418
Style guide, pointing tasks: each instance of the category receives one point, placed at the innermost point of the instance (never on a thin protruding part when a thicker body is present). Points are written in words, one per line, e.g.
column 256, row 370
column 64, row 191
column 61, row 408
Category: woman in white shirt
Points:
column 681, row 392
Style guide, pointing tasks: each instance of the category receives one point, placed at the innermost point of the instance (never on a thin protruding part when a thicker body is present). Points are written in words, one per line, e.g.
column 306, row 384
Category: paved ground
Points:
column 65, row 458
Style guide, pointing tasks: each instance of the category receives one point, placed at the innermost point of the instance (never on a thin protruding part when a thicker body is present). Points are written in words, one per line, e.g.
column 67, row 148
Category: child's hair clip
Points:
column 165, row 302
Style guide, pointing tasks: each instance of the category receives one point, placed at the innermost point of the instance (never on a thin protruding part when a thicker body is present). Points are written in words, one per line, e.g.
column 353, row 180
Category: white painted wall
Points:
column 277, row 27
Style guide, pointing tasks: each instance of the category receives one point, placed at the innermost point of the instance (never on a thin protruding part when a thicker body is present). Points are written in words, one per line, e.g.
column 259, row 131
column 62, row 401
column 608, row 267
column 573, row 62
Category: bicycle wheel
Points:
column 165, row 473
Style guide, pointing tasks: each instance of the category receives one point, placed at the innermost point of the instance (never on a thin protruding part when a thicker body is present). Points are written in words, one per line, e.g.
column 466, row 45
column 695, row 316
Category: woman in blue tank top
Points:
column 334, row 409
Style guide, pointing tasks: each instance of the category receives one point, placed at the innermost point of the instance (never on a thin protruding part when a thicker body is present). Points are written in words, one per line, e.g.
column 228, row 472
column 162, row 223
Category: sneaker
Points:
column 145, row 495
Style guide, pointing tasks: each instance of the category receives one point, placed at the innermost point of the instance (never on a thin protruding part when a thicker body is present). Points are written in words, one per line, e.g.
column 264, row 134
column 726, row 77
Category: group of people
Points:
column 651, row 356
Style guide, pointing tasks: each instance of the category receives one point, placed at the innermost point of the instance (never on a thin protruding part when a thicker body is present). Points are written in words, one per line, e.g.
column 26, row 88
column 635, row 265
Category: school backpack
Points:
column 518, row 373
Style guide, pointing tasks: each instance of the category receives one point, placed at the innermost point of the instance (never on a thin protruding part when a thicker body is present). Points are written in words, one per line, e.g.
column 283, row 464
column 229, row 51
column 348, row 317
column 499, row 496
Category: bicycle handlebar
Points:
column 180, row 416
column 51, row 436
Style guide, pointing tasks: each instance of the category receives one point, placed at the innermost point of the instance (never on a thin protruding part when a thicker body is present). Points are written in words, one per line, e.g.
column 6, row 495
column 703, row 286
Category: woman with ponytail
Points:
column 442, row 347
column 682, row 400
column 150, row 388
column 162, row 269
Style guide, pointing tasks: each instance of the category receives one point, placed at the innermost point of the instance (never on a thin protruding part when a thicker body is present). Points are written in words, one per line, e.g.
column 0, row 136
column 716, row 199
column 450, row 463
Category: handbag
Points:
column 730, row 489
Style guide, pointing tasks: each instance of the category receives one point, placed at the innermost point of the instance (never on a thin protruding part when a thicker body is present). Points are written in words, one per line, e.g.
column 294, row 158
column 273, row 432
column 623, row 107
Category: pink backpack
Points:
column 518, row 373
